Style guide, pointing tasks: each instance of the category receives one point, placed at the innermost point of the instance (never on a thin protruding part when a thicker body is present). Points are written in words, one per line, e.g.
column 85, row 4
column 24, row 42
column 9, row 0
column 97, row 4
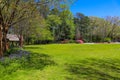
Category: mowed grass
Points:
column 71, row 62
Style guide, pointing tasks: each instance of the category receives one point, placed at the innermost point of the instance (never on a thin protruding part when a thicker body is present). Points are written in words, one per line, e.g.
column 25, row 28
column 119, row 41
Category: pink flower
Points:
column 80, row 41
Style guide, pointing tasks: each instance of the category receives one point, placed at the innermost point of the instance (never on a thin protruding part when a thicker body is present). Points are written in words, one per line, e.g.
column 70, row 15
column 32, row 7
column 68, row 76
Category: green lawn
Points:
column 68, row 62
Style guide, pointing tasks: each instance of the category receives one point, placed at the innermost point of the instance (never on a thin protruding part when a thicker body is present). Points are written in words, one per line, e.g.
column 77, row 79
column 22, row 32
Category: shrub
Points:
column 65, row 41
column 71, row 41
column 107, row 40
column 10, row 51
column 79, row 41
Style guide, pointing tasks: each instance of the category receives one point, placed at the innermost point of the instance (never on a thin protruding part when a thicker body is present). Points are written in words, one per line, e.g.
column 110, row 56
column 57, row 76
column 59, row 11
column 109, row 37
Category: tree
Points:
column 61, row 24
column 114, row 26
column 54, row 23
column 14, row 11
column 11, row 12
column 82, row 23
column 67, row 26
column 102, row 28
column 99, row 28
column 44, row 6
column 33, row 30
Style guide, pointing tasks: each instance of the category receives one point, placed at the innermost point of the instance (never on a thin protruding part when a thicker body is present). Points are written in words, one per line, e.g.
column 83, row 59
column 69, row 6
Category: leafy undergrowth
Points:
column 34, row 61
column 94, row 69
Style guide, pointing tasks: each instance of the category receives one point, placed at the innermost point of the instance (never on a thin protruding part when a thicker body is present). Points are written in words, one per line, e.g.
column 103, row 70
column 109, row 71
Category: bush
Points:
column 79, row 41
column 107, row 40
column 10, row 51
column 65, row 41
column 71, row 41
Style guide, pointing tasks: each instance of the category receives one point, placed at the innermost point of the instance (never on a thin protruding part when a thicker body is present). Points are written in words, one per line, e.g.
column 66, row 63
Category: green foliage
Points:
column 61, row 24
column 107, row 39
column 104, row 27
column 72, row 41
column 11, row 51
column 54, row 20
column 82, row 23
column 53, row 23
column 67, row 25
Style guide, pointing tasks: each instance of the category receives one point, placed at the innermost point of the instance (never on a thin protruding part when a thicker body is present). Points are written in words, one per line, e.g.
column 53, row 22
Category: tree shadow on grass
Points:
column 34, row 61
column 38, row 61
column 95, row 69
column 33, row 48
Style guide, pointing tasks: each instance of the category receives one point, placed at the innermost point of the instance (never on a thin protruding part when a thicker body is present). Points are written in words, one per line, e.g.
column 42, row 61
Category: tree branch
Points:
column 12, row 16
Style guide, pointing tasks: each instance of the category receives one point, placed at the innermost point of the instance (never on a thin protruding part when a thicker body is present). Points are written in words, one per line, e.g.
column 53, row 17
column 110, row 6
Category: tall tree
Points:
column 54, row 23
column 82, row 26
column 67, row 26
column 61, row 23
column 98, row 28
column 11, row 12
column 102, row 28
column 114, row 26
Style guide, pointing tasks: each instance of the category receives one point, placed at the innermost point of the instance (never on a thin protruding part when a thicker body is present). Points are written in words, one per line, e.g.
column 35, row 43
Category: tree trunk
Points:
column 5, row 48
column 21, row 41
column 5, row 45
column 1, row 46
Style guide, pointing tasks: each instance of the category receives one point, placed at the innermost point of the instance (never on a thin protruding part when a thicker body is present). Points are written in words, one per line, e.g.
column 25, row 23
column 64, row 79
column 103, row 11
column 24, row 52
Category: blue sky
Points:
column 100, row 8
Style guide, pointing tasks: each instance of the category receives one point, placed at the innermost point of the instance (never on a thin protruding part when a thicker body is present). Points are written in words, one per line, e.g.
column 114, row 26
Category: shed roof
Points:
column 12, row 37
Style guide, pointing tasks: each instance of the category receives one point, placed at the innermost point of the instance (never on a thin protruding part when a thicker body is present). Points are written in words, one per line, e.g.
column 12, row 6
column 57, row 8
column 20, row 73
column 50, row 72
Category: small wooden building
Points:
column 13, row 40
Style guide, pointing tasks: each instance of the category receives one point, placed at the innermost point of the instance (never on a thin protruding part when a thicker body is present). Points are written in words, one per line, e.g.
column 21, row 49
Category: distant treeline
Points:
column 58, row 24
